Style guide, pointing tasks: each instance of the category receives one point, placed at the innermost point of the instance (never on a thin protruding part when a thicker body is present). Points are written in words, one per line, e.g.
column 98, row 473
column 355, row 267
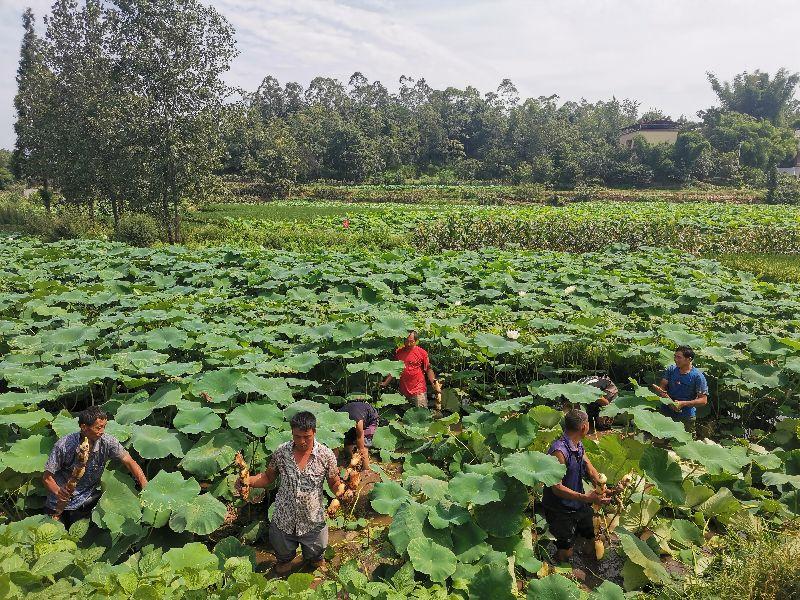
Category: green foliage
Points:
column 137, row 229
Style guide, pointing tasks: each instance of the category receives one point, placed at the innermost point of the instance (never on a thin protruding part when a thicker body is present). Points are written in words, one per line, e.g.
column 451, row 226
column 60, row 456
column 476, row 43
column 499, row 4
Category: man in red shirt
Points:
column 412, row 379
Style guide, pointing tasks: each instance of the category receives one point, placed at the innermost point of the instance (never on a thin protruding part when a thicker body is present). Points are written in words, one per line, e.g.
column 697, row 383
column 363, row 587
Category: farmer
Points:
column 610, row 392
column 566, row 507
column 685, row 385
column 299, row 518
column 57, row 470
column 359, row 437
column 417, row 366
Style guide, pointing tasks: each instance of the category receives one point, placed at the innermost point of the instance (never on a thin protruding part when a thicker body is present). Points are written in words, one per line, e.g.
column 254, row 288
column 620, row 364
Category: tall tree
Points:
column 759, row 95
column 172, row 54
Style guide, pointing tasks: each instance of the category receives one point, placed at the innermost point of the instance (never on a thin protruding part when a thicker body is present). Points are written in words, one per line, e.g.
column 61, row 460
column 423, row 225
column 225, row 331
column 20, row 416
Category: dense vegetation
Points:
column 146, row 332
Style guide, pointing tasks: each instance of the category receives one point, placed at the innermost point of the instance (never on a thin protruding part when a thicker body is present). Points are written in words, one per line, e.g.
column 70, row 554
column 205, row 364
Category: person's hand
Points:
column 365, row 462
column 63, row 494
column 677, row 406
column 384, row 383
column 594, row 498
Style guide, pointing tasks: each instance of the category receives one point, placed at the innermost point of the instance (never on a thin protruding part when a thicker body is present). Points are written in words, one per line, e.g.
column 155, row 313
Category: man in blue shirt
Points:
column 685, row 385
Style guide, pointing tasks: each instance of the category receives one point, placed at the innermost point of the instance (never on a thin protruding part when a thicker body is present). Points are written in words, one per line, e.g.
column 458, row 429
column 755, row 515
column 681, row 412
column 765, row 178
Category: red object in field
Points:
column 346, row 223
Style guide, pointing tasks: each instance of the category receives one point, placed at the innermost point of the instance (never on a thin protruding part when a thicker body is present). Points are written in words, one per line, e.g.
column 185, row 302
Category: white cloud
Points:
column 656, row 51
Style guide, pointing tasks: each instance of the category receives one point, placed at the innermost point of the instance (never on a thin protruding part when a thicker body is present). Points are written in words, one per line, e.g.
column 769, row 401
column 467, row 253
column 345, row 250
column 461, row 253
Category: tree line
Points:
column 121, row 106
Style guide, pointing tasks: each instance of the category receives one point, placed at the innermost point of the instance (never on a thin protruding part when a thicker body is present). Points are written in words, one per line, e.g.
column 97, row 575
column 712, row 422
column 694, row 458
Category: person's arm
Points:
column 264, row 479
column 661, row 388
column 566, row 493
column 432, row 376
column 134, row 469
column 701, row 400
column 335, row 482
column 612, row 391
column 361, row 444
column 53, row 487
column 386, row 380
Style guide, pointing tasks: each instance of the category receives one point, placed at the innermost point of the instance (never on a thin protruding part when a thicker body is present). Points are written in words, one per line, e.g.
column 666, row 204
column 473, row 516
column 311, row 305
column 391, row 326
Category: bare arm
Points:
column 386, row 380
column 701, row 400
column 135, row 470
column 264, row 479
column 431, row 375
column 361, row 444
column 53, row 487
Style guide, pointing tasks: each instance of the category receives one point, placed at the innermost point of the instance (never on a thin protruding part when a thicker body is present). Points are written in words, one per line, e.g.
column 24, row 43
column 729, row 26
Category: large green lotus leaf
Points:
column 300, row 363
column 18, row 400
column 407, row 525
column 378, row 367
column 501, row 407
column 506, row 517
column 26, row 420
column 780, row 479
column 517, row 432
column 715, row 458
column 114, row 429
column 64, row 424
column 695, row 494
column 196, row 420
column 133, row 412
column 681, row 335
column 577, row 393
column 534, row 467
column 432, row 559
column 664, row 472
column 203, row 515
column 213, row 452
column 761, row 376
column 492, row 582
column 468, row 542
column 347, row 332
column 28, row 455
column 315, row 408
column 119, row 502
column 660, row 426
column 31, row 378
column 274, row 388
column 387, row 496
column 256, row 418
column 633, row 576
column 614, row 456
column 553, row 587
column 722, row 505
column 445, row 514
column 139, row 360
column 495, row 345
column 194, row 556
column 167, row 490
column 637, row 514
column 472, row 488
column 392, row 326
column 83, row 376
column 230, row 547
column 151, row 441
column 629, row 402
column 607, row 591
column 433, row 489
column 165, row 337
column 67, row 338
column 220, row 385
column 169, row 394
column 546, row 416
column 641, row 554
column 686, row 533
column 386, row 438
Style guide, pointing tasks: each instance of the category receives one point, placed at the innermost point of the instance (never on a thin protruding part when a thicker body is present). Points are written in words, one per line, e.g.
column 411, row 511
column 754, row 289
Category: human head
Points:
column 684, row 355
column 92, row 422
column 412, row 339
column 304, row 427
column 576, row 421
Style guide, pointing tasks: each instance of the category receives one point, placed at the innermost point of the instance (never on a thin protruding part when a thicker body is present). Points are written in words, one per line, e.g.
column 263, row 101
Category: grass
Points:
column 281, row 211
column 756, row 561
column 769, row 267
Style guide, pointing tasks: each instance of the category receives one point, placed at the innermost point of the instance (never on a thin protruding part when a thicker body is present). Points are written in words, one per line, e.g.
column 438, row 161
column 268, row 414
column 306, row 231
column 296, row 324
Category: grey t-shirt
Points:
column 62, row 459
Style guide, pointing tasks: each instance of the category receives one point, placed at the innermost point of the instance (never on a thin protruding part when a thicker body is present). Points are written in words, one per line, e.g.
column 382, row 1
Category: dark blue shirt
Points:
column 576, row 470
column 62, row 459
column 684, row 386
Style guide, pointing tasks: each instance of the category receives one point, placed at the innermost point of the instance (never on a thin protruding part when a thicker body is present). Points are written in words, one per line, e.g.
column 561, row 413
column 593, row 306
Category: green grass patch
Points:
column 769, row 267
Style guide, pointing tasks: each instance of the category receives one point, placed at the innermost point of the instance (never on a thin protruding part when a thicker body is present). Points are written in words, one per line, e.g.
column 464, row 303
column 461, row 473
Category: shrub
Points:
column 784, row 190
column 138, row 229
column 73, row 223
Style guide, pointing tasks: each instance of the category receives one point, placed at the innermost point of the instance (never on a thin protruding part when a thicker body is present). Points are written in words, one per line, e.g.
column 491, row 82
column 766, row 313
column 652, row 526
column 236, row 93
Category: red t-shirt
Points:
column 412, row 379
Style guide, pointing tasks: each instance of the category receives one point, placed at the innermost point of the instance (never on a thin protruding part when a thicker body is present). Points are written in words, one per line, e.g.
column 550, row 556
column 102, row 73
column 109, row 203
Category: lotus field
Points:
column 202, row 353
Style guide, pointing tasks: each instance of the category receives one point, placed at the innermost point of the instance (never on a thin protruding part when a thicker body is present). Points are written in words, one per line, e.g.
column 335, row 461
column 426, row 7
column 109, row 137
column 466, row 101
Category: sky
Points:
column 653, row 51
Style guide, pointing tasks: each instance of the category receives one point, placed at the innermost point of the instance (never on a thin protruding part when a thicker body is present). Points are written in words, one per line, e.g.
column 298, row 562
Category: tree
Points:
column 172, row 54
column 757, row 142
column 758, row 95
column 32, row 153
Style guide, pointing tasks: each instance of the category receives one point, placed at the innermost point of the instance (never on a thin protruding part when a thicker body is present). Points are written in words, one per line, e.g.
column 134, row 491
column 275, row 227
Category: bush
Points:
column 72, row 223
column 784, row 189
column 138, row 229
